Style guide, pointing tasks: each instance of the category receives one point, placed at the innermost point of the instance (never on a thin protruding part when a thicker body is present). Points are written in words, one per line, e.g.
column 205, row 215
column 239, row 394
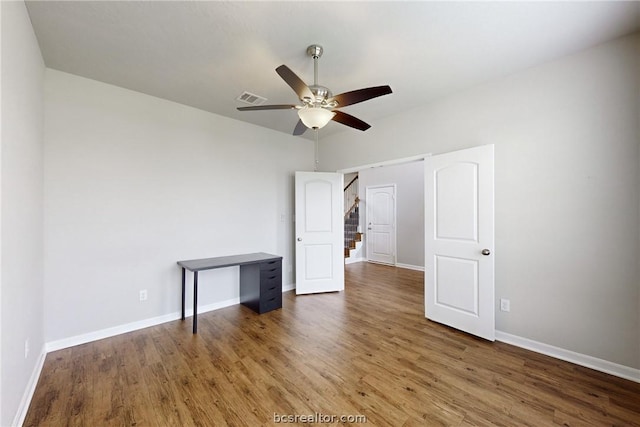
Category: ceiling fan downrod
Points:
column 315, row 51
column 321, row 93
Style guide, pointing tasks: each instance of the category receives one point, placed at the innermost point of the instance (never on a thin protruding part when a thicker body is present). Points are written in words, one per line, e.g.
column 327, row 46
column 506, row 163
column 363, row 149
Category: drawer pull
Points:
column 272, row 299
column 274, row 269
column 272, row 262
column 272, row 288
column 272, row 277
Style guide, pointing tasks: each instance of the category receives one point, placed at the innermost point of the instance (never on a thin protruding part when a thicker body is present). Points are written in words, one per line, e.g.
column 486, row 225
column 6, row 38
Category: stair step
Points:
column 351, row 235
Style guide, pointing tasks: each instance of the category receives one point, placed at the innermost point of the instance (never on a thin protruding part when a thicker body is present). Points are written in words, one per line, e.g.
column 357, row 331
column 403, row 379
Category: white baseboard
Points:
column 571, row 356
column 141, row 324
column 353, row 260
column 133, row 326
column 399, row 265
column 410, row 267
column 31, row 388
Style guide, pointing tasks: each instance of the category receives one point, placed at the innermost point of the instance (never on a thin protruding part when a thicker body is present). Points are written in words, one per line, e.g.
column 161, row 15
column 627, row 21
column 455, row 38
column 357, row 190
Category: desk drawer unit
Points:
column 261, row 286
column 270, row 291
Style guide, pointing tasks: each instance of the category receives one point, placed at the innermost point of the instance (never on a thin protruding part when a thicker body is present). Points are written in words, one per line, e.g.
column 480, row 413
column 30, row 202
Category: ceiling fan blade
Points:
column 296, row 83
column 300, row 128
column 355, row 96
column 349, row 120
column 268, row 107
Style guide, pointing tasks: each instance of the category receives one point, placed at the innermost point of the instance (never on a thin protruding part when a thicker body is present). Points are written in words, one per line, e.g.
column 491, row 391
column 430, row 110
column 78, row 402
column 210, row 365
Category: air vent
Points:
column 251, row 98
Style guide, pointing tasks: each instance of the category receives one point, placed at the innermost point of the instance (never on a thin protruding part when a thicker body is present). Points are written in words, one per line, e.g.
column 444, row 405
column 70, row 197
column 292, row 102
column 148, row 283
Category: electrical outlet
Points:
column 505, row 304
column 143, row 295
column 26, row 348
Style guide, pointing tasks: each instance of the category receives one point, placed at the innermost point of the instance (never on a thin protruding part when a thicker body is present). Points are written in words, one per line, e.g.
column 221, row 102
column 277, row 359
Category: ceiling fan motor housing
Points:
column 321, row 94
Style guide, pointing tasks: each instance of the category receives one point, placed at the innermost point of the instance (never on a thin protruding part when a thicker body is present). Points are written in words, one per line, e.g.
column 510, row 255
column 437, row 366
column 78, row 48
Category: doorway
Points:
column 407, row 175
column 457, row 208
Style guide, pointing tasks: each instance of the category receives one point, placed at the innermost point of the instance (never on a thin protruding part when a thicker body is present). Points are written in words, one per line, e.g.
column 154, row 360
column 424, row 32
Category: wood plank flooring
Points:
column 367, row 351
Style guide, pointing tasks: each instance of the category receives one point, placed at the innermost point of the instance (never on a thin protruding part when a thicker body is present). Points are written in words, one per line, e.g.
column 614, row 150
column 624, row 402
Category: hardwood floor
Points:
column 366, row 351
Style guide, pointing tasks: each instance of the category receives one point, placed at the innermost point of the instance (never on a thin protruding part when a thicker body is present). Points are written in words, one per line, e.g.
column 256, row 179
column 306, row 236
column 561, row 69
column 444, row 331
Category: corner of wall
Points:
column 21, row 212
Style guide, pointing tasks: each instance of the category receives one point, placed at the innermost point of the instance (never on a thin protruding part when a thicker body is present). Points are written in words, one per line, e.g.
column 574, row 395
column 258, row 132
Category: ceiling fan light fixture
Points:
column 315, row 117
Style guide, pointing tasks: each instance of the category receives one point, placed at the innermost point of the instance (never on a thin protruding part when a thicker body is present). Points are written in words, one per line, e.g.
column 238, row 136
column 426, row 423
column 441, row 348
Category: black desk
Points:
column 260, row 280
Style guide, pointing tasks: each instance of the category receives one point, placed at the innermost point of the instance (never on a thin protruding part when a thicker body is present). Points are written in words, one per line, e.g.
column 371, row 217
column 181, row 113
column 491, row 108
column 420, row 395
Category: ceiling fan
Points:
column 319, row 106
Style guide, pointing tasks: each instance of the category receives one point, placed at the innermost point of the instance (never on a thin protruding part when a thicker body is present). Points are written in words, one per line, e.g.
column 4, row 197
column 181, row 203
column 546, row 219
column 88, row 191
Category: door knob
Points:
column 299, row 239
column 486, row 252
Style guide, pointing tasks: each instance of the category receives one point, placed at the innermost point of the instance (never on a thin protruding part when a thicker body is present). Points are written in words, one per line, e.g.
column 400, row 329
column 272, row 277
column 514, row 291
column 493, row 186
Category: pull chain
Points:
column 317, row 162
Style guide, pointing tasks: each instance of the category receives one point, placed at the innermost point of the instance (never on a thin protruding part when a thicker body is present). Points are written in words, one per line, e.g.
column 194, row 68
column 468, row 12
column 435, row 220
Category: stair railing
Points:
column 351, row 216
column 351, row 198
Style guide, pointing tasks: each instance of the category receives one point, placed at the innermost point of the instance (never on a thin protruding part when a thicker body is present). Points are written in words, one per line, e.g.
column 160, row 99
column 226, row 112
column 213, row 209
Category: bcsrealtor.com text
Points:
column 317, row 418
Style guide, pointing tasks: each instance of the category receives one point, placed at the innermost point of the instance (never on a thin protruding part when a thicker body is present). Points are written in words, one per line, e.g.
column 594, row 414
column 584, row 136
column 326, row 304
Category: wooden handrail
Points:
column 355, row 204
column 351, row 196
column 351, row 182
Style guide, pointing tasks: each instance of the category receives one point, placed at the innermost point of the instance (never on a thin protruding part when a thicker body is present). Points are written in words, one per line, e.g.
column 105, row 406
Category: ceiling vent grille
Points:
column 251, row 98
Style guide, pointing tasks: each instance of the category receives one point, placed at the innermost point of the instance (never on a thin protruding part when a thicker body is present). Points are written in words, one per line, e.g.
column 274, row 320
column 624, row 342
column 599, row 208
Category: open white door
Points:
column 381, row 223
column 319, row 232
column 459, row 240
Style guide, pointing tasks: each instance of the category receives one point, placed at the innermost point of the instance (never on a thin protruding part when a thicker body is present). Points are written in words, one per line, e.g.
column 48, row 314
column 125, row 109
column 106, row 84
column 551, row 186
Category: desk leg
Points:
column 195, row 302
column 183, row 288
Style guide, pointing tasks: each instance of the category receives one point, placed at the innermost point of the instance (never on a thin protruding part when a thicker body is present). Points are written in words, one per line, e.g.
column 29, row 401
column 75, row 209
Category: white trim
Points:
column 23, row 408
column 141, row 324
column 410, row 267
column 601, row 365
column 133, row 326
column 385, row 163
column 380, row 263
column 399, row 265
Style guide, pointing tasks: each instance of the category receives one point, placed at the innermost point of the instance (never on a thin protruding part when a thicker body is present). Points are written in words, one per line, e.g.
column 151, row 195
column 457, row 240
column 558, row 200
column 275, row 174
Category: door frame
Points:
column 394, row 226
column 385, row 163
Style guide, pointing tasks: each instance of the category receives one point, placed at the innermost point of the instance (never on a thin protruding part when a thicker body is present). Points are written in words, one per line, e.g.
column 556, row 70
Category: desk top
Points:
column 227, row 261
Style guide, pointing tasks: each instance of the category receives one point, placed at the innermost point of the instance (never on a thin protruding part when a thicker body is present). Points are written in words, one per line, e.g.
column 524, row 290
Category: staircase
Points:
column 351, row 235
column 352, row 238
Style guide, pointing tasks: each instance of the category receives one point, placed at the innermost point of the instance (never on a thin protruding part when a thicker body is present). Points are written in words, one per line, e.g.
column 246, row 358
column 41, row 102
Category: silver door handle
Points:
column 486, row 252
column 299, row 239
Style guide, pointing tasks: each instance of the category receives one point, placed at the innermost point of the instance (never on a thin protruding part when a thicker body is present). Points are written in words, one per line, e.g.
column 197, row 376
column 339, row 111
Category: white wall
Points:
column 135, row 183
column 409, row 180
column 21, row 214
column 566, row 138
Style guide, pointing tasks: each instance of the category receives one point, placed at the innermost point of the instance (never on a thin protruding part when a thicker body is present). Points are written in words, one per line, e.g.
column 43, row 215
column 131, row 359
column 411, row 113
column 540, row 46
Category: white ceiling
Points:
column 205, row 54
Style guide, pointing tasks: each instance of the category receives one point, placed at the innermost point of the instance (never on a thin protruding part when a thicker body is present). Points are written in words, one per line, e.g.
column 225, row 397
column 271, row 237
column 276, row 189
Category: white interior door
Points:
column 319, row 232
column 459, row 240
column 381, row 224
